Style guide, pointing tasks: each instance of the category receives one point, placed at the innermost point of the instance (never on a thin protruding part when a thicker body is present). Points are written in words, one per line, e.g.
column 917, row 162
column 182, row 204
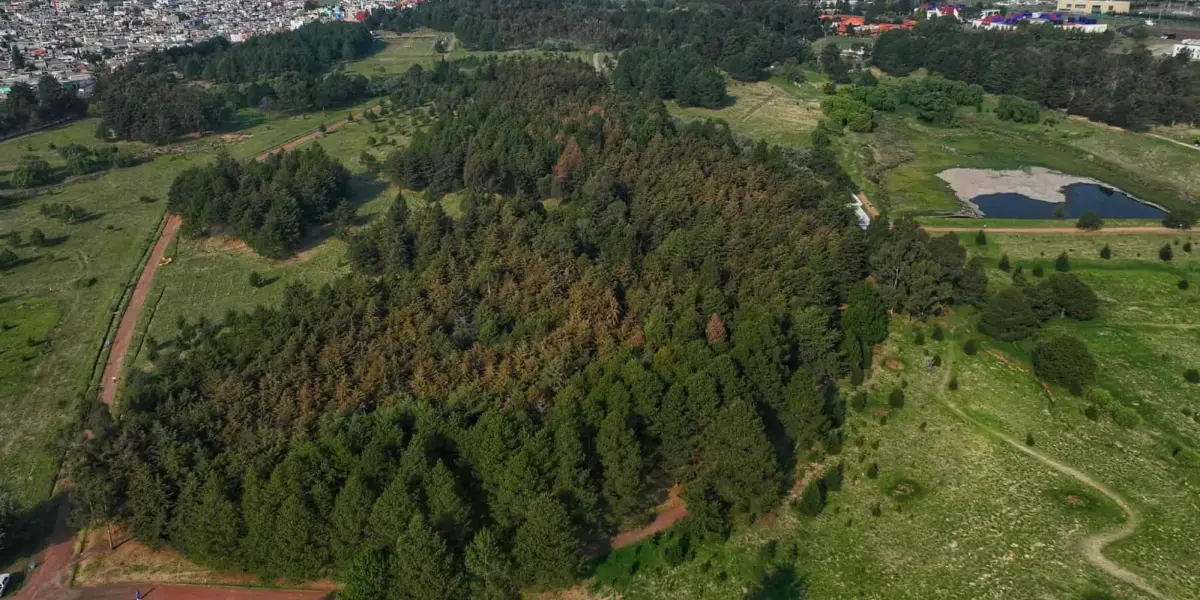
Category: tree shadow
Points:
column 264, row 282
column 88, row 218
column 22, row 262
column 34, row 529
column 54, row 241
column 781, row 584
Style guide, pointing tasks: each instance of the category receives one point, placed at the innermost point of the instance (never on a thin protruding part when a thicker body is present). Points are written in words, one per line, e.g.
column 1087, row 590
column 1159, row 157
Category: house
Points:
column 1101, row 7
column 1192, row 47
column 941, row 10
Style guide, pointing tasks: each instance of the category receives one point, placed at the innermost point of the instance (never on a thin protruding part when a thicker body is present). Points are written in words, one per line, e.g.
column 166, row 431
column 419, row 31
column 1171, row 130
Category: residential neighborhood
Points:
column 70, row 39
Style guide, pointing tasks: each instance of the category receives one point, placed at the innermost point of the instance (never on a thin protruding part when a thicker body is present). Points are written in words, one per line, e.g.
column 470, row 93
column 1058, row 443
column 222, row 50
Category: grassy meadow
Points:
column 778, row 111
column 210, row 276
column 951, row 508
column 56, row 303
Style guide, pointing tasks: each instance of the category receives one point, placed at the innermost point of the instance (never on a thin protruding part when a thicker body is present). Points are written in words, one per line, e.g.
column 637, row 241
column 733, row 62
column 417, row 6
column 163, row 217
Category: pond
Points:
column 1081, row 197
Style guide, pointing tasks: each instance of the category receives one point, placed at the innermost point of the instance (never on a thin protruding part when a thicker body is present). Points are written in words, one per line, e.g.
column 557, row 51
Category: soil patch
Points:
column 669, row 512
column 1038, row 183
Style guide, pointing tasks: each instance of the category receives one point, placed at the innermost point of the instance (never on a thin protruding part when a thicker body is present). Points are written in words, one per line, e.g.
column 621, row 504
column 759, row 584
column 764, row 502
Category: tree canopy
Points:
column 483, row 395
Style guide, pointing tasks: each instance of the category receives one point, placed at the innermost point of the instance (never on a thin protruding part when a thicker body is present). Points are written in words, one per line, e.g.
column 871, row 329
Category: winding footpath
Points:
column 1091, row 546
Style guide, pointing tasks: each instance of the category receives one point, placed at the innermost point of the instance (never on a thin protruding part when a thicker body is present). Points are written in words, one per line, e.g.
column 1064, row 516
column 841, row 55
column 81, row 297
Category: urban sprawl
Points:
column 71, row 39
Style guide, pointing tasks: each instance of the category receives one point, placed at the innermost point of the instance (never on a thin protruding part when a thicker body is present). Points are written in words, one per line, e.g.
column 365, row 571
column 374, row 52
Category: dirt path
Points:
column 668, row 513
column 1177, row 142
column 129, row 319
column 870, row 208
column 1054, row 230
column 46, row 582
column 1091, row 546
column 308, row 137
column 765, row 101
column 192, row 592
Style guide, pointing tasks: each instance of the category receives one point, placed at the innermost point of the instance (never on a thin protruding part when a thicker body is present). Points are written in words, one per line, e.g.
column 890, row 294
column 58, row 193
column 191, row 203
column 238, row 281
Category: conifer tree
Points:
column 490, row 568
column 423, row 566
column 547, row 551
column 738, row 461
column 349, row 520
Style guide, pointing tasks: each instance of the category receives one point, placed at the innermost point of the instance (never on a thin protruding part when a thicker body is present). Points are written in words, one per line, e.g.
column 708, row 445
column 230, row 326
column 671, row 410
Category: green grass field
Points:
column 906, row 157
column 955, row 511
column 56, row 304
column 210, row 276
column 397, row 53
column 778, row 111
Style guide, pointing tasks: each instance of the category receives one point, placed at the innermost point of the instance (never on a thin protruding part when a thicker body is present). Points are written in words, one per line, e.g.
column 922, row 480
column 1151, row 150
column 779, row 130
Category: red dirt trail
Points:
column 125, row 329
column 47, row 581
column 192, row 592
column 668, row 513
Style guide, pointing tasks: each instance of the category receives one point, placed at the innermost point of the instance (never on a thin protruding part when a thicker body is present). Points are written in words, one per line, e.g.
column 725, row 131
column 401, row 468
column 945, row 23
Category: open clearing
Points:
column 777, row 111
column 903, row 157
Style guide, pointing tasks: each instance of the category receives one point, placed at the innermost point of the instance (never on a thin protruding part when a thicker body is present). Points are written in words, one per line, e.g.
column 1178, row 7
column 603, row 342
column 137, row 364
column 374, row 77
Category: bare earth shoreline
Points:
column 1037, row 182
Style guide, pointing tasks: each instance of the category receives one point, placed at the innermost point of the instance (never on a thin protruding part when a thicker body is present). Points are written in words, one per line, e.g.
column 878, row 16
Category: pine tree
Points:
column 621, row 458
column 1166, row 253
column 297, row 550
column 738, row 461
column 803, row 415
column 349, row 519
column 423, row 565
column 1009, row 316
column 368, row 577
column 812, row 501
column 981, row 238
column 1062, row 264
column 572, row 479
column 214, row 527
column 1106, row 252
column 1004, row 264
column 490, row 568
column 546, row 549
column 391, row 513
column 448, row 512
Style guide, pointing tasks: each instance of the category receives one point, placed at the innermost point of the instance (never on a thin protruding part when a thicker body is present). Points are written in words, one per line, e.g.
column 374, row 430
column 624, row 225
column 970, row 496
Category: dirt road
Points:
column 870, row 208
column 129, row 319
column 48, row 580
column 1176, row 142
column 192, row 592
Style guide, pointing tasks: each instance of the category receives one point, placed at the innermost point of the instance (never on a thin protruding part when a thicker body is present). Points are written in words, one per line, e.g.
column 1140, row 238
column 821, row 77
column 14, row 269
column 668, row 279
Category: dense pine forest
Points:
column 166, row 94
column 624, row 304
column 743, row 39
column 1077, row 72
column 269, row 204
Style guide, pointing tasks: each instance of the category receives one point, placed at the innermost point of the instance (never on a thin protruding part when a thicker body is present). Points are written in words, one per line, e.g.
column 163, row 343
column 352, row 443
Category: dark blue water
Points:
column 1081, row 198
